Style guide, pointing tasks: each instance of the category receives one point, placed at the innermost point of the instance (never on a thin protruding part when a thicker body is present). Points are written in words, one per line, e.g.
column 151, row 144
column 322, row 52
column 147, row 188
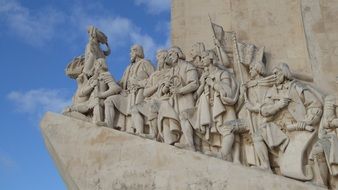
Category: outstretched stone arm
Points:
column 192, row 82
column 334, row 123
column 330, row 112
column 270, row 109
column 149, row 91
column 313, row 107
column 85, row 91
column 113, row 89
column 190, row 87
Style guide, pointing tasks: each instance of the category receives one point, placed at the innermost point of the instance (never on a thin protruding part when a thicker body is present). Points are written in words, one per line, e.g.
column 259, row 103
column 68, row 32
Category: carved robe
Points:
column 86, row 100
column 212, row 108
column 304, row 106
column 133, row 83
column 150, row 106
column 328, row 134
column 174, row 106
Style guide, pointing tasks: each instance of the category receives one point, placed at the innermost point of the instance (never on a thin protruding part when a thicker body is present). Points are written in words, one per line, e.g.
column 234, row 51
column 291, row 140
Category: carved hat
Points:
column 178, row 51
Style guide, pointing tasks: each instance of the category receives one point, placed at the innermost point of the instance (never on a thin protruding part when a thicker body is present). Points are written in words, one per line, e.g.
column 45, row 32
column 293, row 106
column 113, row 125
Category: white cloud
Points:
column 120, row 30
column 36, row 102
column 155, row 6
column 36, row 28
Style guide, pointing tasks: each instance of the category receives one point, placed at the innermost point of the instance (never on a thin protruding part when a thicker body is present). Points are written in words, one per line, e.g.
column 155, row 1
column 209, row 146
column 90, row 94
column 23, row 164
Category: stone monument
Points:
column 242, row 100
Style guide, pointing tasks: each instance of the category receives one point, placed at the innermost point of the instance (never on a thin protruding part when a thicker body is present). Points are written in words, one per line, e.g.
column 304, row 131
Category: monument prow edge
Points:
column 92, row 157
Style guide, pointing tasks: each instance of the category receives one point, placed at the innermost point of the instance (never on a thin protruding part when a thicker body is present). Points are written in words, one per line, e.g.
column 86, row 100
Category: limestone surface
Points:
column 93, row 158
column 303, row 33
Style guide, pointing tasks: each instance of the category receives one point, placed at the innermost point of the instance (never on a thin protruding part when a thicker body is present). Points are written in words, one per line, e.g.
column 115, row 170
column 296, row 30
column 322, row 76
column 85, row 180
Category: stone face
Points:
column 302, row 33
column 92, row 157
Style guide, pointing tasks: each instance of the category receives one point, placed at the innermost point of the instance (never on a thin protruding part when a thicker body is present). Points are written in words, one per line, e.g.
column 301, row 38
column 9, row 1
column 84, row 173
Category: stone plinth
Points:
column 92, row 158
column 302, row 33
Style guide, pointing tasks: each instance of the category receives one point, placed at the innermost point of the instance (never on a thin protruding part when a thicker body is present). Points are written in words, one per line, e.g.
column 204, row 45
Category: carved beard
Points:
column 279, row 78
column 132, row 59
column 170, row 61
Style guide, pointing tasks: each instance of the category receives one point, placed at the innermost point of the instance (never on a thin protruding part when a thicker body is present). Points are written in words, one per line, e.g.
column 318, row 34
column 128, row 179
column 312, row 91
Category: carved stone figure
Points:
column 299, row 120
column 196, row 55
column 262, row 132
column 133, row 82
column 91, row 92
column 325, row 152
column 148, row 109
column 174, row 113
column 106, row 86
column 93, row 50
column 217, row 94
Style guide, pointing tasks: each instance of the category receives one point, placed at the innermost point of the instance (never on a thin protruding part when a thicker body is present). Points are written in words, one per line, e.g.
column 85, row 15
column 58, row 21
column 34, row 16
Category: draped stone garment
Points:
column 174, row 106
column 328, row 134
column 136, row 74
column 151, row 105
column 304, row 106
column 211, row 104
column 212, row 110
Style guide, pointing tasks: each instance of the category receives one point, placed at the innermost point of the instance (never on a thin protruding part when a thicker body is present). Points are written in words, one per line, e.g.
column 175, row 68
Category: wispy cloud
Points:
column 155, row 6
column 120, row 30
column 36, row 28
column 38, row 101
column 40, row 26
column 6, row 162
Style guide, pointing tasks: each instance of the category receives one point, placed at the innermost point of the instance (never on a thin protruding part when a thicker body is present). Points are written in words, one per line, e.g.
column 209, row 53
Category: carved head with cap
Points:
column 282, row 72
column 174, row 54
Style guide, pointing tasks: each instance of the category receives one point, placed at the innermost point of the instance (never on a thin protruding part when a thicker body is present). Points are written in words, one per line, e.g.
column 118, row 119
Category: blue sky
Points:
column 37, row 40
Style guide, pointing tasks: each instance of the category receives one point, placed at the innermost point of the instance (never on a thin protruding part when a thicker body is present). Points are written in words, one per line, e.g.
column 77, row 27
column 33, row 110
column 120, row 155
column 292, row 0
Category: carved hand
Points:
column 92, row 82
column 195, row 96
column 283, row 102
column 217, row 42
column 334, row 123
column 165, row 89
column 175, row 90
column 124, row 93
column 309, row 128
column 217, row 87
column 251, row 107
column 209, row 82
column 100, row 95
column 301, row 125
column 243, row 89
